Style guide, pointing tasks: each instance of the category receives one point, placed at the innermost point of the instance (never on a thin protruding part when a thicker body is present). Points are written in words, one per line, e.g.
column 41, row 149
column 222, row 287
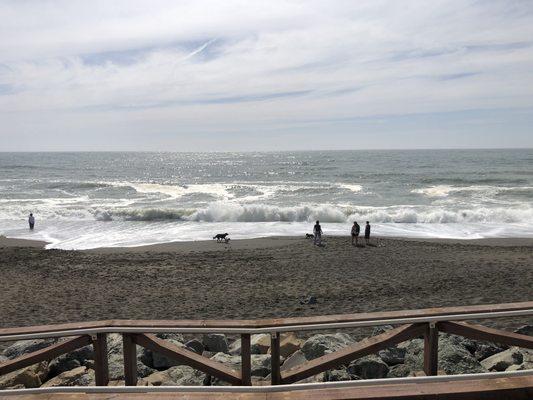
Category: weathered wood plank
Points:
column 130, row 359
column 344, row 356
column 101, row 364
column 431, row 350
column 48, row 353
column 480, row 332
column 275, row 358
column 246, row 359
column 515, row 388
column 263, row 323
column 187, row 357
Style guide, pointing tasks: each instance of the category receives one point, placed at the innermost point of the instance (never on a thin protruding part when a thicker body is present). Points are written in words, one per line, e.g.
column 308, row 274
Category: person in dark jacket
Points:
column 355, row 233
column 367, row 233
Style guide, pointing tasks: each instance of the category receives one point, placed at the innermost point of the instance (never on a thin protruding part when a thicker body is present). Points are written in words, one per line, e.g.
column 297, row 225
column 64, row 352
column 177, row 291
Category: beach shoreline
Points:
column 256, row 278
column 260, row 243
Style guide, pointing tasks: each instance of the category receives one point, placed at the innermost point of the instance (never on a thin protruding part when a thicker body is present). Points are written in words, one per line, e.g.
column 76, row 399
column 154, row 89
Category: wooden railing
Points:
column 426, row 323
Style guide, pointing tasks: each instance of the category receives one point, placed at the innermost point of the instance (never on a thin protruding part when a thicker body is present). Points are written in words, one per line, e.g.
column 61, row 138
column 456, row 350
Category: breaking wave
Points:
column 232, row 212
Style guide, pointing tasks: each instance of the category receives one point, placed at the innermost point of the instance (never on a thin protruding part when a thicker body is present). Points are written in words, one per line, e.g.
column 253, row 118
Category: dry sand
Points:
column 256, row 278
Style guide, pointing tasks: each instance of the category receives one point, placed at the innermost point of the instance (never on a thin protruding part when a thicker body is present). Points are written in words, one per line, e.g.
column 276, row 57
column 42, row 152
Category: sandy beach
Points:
column 256, row 278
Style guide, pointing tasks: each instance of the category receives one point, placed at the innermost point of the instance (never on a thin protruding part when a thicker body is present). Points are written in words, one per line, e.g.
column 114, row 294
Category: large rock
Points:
column 318, row 345
column 399, row 371
column 74, row 359
column 235, row 348
column 295, row 359
column 182, row 375
column 453, row 357
column 502, row 361
column 485, row 350
column 29, row 377
column 27, row 346
column 116, row 368
column 215, row 342
column 337, row 375
column 393, row 355
column 369, row 367
column 288, row 344
column 260, row 344
column 80, row 376
column 195, row 345
column 160, row 361
column 261, row 363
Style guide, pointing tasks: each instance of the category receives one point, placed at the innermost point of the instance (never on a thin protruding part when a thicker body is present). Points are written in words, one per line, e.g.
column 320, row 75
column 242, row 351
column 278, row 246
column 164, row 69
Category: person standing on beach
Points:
column 31, row 221
column 317, row 231
column 367, row 233
column 355, row 233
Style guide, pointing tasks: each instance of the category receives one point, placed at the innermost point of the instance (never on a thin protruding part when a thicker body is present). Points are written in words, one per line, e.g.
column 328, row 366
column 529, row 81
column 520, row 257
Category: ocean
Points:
column 89, row 200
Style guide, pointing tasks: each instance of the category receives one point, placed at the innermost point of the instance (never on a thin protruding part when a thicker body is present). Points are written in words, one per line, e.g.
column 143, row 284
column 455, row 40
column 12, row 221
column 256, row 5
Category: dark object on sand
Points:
column 309, row 236
column 309, row 300
column 221, row 237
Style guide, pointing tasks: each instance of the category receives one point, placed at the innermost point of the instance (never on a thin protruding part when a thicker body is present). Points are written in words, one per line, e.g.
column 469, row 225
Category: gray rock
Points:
column 260, row 344
column 378, row 330
column 116, row 368
column 485, row 350
column 215, row 342
column 181, row 375
column 159, row 361
column 74, row 359
column 525, row 330
column 369, row 367
column 454, row 358
column 27, row 346
column 521, row 367
column 235, row 348
column 3, row 358
column 29, row 377
column 337, row 375
column 318, row 345
column 393, row 355
column 295, row 359
column 80, row 376
column 502, row 361
column 261, row 363
column 195, row 345
column 399, row 371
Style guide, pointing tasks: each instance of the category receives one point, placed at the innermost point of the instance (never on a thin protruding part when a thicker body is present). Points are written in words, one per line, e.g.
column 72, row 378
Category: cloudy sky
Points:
column 265, row 75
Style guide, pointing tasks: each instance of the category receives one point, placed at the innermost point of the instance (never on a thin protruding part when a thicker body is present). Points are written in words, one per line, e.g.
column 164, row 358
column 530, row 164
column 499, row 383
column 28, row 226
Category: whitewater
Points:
column 89, row 200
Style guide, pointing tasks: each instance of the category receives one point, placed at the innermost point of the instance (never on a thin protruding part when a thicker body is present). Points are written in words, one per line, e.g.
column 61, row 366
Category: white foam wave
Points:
column 351, row 187
column 446, row 190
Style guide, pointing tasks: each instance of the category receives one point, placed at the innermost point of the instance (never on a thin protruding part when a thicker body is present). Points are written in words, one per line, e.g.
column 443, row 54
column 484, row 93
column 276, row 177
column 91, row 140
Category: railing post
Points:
column 431, row 349
column 101, row 366
column 130, row 360
column 246, row 360
column 275, row 358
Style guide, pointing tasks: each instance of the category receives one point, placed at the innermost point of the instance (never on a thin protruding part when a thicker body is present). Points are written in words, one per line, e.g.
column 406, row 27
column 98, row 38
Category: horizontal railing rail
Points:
column 426, row 323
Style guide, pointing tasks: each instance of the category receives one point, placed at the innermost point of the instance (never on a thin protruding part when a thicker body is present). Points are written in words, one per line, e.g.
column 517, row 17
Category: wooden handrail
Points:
column 270, row 323
column 415, row 323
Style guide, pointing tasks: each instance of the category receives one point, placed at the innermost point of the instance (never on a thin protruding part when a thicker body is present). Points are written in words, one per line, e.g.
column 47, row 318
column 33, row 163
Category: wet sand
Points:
column 256, row 278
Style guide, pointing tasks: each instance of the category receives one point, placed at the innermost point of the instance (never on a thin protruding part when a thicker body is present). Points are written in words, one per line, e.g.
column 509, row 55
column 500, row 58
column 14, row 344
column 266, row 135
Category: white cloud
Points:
column 228, row 66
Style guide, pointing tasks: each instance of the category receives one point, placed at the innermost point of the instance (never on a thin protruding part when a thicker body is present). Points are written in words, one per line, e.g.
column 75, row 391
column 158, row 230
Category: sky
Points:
column 265, row 75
